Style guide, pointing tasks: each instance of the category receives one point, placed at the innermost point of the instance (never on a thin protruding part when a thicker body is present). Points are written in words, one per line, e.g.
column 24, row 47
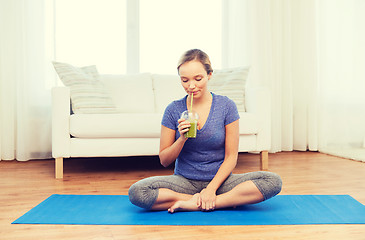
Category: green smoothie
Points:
column 192, row 130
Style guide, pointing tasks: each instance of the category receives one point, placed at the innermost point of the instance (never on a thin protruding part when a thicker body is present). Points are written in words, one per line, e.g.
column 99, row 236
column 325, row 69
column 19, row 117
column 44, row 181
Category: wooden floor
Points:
column 25, row 184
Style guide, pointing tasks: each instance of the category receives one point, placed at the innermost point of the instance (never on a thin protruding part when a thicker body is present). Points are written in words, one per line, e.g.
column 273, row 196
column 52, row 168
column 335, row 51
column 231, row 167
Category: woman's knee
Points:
column 276, row 182
column 270, row 184
column 142, row 194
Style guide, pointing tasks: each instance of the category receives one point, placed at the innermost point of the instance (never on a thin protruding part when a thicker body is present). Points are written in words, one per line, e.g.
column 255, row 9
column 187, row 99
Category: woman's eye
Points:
column 198, row 79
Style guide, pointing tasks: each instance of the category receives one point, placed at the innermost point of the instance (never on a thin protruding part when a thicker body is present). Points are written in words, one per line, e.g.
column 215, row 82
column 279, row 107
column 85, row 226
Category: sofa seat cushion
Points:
column 120, row 125
column 136, row 125
column 248, row 123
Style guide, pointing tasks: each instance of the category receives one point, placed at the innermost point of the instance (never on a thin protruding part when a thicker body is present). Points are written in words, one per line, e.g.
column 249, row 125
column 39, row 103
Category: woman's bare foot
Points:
column 189, row 205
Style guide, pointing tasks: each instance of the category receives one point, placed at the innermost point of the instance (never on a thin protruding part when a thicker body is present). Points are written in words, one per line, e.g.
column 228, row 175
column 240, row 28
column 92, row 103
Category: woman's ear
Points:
column 209, row 76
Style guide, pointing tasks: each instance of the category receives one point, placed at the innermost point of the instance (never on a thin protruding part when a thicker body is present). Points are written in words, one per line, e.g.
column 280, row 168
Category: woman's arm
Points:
column 230, row 160
column 169, row 148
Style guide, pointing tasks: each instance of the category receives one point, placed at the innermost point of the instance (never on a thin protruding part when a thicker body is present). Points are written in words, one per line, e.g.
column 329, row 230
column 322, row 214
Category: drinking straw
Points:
column 191, row 102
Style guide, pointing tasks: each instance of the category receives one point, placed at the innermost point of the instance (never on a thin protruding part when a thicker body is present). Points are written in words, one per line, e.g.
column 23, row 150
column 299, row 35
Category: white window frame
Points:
column 132, row 36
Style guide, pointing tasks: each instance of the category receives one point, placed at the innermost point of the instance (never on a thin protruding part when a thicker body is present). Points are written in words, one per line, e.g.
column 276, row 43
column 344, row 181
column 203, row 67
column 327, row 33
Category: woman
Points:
column 203, row 178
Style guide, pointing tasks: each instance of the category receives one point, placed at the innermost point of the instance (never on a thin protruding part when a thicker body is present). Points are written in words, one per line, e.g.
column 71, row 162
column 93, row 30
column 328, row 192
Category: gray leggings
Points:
column 145, row 192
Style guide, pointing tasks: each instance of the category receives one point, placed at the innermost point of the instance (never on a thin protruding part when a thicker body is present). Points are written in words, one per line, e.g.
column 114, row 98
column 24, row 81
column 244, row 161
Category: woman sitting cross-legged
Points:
column 203, row 178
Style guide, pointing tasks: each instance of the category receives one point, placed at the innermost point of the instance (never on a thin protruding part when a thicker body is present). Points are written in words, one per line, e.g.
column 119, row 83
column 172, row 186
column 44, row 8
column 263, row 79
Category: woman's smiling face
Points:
column 194, row 78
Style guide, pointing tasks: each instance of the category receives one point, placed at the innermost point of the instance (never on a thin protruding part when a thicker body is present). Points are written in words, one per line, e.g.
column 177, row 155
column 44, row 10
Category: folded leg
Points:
column 160, row 192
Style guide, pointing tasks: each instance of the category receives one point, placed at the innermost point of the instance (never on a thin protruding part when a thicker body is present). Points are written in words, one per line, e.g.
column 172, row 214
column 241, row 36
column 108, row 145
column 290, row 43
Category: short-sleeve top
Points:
column 201, row 157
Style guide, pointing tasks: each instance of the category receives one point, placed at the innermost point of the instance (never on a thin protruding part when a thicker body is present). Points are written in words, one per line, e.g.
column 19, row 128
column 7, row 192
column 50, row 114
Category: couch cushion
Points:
column 119, row 125
column 167, row 88
column 248, row 123
column 132, row 93
column 230, row 82
column 135, row 125
column 88, row 94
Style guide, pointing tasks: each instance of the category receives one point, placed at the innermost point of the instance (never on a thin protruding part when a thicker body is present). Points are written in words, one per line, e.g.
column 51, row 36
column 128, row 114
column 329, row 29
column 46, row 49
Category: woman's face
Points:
column 194, row 78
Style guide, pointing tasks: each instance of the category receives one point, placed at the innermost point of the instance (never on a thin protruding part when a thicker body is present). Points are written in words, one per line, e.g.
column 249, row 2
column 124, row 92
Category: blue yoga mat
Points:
column 117, row 210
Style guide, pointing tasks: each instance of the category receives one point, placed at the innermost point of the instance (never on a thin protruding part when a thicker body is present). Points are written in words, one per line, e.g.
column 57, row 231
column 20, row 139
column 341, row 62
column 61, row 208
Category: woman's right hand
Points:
column 170, row 148
column 183, row 127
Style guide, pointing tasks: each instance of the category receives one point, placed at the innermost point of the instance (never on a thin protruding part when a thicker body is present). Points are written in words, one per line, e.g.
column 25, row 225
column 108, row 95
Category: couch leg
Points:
column 264, row 158
column 59, row 167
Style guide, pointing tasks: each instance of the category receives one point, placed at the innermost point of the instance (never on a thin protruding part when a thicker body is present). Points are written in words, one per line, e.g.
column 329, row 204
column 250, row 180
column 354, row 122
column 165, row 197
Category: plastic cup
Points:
column 192, row 117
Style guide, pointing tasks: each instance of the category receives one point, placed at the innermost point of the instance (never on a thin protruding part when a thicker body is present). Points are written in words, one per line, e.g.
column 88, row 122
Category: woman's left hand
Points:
column 207, row 200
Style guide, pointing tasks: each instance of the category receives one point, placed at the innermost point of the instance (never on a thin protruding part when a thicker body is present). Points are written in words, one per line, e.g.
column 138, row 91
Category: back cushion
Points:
column 132, row 93
column 167, row 88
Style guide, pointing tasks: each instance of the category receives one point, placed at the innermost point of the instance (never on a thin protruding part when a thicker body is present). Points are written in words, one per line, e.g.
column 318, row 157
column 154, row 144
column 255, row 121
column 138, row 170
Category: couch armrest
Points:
column 61, row 122
column 258, row 102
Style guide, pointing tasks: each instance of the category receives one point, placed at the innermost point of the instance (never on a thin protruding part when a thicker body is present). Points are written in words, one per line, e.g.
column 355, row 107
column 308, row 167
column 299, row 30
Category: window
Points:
column 103, row 33
column 91, row 33
column 170, row 27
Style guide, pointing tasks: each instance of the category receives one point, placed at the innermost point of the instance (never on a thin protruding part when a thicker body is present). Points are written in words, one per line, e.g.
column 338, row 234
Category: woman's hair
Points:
column 196, row 54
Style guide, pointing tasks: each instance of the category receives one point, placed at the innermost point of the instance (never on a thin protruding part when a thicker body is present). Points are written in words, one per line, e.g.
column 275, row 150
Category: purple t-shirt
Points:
column 202, row 156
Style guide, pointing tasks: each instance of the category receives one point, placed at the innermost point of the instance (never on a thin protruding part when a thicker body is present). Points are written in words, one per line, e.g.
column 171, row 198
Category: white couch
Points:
column 134, row 129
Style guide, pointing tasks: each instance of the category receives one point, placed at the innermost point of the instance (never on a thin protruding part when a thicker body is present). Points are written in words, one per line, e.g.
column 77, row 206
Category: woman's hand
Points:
column 207, row 199
column 183, row 127
column 170, row 148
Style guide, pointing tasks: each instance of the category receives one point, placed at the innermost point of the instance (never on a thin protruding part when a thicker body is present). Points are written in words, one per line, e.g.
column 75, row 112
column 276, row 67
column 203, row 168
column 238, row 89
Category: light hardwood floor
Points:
column 25, row 184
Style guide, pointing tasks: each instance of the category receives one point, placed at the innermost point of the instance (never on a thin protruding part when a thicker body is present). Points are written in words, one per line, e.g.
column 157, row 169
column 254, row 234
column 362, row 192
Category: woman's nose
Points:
column 192, row 85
